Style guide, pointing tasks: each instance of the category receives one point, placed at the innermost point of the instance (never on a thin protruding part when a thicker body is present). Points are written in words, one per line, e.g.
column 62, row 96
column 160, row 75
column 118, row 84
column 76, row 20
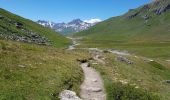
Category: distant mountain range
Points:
column 75, row 25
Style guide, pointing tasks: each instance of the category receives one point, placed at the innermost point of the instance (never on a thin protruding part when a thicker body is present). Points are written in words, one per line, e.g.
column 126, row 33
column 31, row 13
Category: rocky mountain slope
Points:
column 16, row 28
column 75, row 25
column 148, row 23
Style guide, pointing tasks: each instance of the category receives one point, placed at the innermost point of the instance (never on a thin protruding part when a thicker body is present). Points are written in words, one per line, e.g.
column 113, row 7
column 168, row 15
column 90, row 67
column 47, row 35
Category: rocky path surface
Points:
column 92, row 87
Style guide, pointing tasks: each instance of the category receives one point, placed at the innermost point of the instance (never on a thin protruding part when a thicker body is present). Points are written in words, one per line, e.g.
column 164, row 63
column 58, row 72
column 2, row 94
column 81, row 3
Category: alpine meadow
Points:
column 99, row 55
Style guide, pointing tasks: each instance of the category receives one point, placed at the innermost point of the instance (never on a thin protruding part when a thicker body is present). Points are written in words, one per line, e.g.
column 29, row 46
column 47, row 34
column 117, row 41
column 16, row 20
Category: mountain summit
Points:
column 73, row 26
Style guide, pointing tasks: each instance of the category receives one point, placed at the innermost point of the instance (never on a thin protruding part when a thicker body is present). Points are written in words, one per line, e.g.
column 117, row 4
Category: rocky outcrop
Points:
column 19, row 25
column 145, row 7
column 68, row 95
column 158, row 7
column 29, row 38
column 124, row 59
column 133, row 15
column 1, row 17
column 162, row 9
column 20, row 33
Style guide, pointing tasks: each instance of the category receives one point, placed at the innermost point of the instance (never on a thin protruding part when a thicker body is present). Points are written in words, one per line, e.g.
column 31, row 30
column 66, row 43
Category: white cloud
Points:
column 93, row 21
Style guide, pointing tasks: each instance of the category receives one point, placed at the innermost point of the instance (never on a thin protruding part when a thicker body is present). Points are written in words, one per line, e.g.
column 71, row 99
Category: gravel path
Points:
column 92, row 87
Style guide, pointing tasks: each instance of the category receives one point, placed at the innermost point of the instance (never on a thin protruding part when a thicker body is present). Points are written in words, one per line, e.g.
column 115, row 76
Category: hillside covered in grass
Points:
column 32, row 72
column 16, row 28
column 33, row 65
column 148, row 24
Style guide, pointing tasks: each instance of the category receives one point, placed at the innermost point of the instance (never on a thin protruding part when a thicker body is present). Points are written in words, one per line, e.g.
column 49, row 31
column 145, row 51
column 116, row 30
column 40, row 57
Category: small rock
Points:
column 68, row 95
column 167, row 81
column 94, row 89
column 18, row 25
column 95, row 80
column 22, row 66
column 94, row 63
column 136, row 87
column 168, row 60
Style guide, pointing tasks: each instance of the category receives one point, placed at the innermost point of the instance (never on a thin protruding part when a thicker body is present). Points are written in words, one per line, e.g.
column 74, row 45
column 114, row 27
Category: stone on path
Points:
column 68, row 95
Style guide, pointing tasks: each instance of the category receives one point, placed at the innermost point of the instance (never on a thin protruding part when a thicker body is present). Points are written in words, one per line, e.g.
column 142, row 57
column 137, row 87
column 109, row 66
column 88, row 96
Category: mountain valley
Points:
column 122, row 58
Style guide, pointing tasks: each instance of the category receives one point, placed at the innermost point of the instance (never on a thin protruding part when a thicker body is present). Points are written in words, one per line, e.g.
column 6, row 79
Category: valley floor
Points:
column 35, row 72
column 131, row 75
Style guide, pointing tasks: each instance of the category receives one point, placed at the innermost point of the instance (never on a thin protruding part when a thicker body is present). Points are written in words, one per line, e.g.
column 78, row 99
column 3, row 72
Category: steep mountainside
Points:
column 76, row 25
column 14, row 27
column 148, row 23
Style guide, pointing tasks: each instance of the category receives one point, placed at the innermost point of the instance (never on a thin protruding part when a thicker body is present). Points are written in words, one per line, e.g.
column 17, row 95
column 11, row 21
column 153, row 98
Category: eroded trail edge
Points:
column 92, row 87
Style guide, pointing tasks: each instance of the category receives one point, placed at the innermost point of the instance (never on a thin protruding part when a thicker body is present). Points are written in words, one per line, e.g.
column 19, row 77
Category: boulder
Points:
column 1, row 17
column 82, row 60
column 68, row 95
column 146, row 17
column 167, row 81
column 19, row 25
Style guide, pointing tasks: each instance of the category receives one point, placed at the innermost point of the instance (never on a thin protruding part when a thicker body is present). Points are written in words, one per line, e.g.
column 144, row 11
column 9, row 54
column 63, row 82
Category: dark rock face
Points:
column 82, row 60
column 131, row 9
column 167, row 81
column 146, row 7
column 123, row 59
column 1, row 17
column 157, row 7
column 162, row 9
column 19, row 25
column 133, row 15
column 76, row 21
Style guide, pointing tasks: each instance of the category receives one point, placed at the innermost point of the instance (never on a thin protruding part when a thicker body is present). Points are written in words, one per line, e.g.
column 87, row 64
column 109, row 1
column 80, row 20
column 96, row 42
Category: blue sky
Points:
column 66, row 10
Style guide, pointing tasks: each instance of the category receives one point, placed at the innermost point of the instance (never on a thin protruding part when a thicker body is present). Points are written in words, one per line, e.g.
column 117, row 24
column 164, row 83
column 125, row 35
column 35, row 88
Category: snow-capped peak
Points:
column 46, row 23
column 92, row 21
column 75, row 25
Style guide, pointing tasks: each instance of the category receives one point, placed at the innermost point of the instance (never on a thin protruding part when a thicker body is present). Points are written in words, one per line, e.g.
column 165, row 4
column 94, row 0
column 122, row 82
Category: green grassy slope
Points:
column 129, row 29
column 138, row 27
column 33, row 72
column 143, row 37
column 142, row 75
column 7, row 26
